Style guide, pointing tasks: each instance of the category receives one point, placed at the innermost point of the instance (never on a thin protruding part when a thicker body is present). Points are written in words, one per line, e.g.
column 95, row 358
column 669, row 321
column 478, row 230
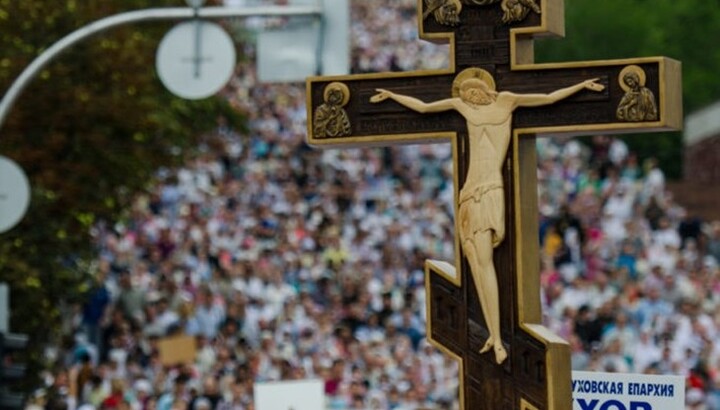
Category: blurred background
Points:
column 154, row 218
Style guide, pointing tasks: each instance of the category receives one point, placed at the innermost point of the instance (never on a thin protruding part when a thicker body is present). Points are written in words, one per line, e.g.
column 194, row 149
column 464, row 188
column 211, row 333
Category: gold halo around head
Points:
column 344, row 90
column 631, row 69
column 472, row 72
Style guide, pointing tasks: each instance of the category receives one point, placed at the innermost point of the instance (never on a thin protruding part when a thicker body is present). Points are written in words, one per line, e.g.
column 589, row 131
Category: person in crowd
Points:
column 286, row 262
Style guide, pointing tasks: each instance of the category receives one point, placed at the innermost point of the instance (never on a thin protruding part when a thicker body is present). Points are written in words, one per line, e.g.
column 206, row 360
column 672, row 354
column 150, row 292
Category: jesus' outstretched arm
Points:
column 534, row 100
column 412, row 102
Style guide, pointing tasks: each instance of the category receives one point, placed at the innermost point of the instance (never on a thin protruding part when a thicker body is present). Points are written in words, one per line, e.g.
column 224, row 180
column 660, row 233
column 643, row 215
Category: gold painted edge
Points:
column 383, row 140
column 554, row 20
column 557, row 351
column 524, row 405
column 527, row 248
column 593, row 63
column 584, row 130
column 447, row 271
column 671, row 107
column 441, row 137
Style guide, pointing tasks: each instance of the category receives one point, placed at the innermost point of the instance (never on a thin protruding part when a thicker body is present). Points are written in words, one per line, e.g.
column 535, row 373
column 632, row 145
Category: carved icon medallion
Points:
column 330, row 119
column 638, row 103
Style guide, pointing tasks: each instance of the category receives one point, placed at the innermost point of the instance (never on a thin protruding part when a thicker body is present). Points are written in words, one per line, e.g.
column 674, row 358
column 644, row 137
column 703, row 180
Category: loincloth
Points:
column 480, row 209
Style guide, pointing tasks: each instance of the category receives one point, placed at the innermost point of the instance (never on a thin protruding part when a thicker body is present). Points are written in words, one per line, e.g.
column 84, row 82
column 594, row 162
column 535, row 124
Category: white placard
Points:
column 295, row 52
column 14, row 193
column 288, row 55
column 290, row 395
column 622, row 391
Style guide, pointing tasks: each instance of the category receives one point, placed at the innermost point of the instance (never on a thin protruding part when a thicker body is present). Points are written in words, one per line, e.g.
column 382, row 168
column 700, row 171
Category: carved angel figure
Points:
column 447, row 12
column 517, row 10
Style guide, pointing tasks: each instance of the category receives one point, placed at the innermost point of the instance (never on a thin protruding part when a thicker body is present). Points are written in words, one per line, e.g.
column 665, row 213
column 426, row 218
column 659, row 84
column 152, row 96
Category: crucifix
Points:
column 490, row 104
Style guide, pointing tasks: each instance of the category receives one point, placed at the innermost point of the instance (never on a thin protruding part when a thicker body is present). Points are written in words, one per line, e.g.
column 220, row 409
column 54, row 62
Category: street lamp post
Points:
column 146, row 15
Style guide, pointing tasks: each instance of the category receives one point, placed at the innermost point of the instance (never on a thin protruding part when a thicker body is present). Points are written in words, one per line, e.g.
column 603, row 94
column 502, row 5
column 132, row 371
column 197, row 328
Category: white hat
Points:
column 142, row 385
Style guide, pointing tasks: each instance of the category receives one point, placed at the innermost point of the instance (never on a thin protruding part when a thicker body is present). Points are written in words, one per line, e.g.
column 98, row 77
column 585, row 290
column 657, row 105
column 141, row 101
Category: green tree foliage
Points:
column 89, row 131
column 686, row 30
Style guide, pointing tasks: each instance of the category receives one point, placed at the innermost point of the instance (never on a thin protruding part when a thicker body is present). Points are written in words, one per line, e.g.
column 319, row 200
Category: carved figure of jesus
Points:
column 481, row 209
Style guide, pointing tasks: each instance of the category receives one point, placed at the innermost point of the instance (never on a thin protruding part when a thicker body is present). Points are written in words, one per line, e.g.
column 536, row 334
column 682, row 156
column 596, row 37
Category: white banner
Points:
column 290, row 395
column 622, row 391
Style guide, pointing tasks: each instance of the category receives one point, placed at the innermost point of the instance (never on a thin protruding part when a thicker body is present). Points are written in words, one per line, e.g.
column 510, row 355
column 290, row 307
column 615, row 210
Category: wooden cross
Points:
column 491, row 41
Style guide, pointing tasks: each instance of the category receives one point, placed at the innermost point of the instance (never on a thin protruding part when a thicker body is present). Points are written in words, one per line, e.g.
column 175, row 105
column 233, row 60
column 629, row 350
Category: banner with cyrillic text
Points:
column 622, row 391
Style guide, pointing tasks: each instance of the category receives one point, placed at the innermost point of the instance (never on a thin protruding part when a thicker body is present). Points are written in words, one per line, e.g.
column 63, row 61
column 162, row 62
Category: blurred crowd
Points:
column 287, row 263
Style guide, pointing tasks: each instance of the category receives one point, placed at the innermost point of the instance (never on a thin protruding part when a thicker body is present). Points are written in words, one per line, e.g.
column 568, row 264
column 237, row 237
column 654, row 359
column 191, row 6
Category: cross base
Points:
column 521, row 382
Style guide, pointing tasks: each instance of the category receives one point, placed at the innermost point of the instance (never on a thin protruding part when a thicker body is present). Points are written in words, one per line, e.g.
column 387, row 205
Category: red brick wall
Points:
column 702, row 162
column 699, row 189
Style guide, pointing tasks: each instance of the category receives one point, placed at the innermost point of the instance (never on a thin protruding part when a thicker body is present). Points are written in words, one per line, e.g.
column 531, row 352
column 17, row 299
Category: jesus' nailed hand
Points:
column 481, row 209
